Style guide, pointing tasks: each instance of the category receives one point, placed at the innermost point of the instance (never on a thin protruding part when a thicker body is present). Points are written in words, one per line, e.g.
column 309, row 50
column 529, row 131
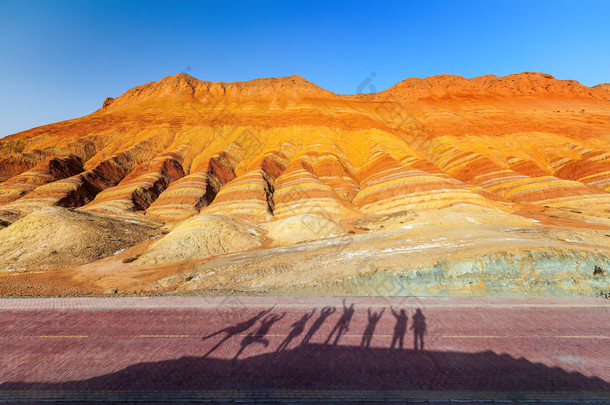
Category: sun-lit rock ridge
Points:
column 187, row 196
column 532, row 84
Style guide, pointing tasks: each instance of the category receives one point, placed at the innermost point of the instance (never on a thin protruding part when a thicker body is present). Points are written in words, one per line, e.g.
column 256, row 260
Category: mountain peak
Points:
column 514, row 85
column 183, row 85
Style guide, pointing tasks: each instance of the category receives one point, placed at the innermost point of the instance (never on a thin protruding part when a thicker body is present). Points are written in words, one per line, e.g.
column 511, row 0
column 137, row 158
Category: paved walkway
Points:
column 183, row 349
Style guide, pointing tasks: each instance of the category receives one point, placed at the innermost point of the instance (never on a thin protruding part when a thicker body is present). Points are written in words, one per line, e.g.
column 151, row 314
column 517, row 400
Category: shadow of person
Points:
column 259, row 335
column 297, row 328
column 367, row 337
column 418, row 326
column 324, row 313
column 399, row 329
column 233, row 330
column 342, row 325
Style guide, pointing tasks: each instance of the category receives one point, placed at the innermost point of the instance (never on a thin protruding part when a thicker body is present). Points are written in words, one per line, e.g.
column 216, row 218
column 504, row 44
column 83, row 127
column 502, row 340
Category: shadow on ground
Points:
column 320, row 366
column 332, row 367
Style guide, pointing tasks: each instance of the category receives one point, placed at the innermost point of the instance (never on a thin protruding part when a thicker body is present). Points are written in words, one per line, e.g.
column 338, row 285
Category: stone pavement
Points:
column 318, row 349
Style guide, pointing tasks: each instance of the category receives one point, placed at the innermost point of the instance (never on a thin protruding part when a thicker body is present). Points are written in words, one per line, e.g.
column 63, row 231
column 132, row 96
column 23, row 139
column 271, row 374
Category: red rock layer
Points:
column 43, row 173
column 251, row 194
column 475, row 168
column 386, row 186
column 13, row 165
column 187, row 196
column 337, row 171
column 526, row 167
column 78, row 190
column 299, row 191
column 593, row 169
column 415, row 162
column 138, row 190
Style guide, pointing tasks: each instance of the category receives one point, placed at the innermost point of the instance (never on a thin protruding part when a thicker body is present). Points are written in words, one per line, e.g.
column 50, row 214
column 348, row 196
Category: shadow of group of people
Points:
column 327, row 352
column 267, row 320
column 418, row 326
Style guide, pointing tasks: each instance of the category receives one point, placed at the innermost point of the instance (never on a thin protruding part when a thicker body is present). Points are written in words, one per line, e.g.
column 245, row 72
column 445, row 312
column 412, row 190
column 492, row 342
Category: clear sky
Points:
column 60, row 59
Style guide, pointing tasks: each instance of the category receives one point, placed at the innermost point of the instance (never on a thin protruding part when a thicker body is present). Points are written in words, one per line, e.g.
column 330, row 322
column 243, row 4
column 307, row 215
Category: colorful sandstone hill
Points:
column 273, row 149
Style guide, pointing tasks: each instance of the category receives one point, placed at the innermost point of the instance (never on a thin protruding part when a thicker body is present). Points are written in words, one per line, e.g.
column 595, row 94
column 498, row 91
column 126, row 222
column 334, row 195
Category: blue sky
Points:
column 60, row 59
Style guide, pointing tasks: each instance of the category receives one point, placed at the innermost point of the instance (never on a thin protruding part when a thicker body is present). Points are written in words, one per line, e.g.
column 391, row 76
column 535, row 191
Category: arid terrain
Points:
column 437, row 186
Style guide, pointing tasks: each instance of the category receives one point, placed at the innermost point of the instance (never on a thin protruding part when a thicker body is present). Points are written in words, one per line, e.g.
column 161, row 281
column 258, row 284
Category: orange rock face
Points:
column 299, row 191
column 139, row 189
column 275, row 148
column 187, row 196
column 74, row 191
column 47, row 172
column 390, row 187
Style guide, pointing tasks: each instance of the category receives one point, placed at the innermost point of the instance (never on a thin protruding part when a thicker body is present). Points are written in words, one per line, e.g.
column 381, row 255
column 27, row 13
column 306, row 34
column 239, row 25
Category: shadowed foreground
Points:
column 328, row 370
column 310, row 349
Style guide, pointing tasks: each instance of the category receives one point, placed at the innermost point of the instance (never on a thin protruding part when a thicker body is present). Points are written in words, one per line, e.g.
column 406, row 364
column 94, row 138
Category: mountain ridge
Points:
column 282, row 173
column 517, row 84
column 297, row 87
